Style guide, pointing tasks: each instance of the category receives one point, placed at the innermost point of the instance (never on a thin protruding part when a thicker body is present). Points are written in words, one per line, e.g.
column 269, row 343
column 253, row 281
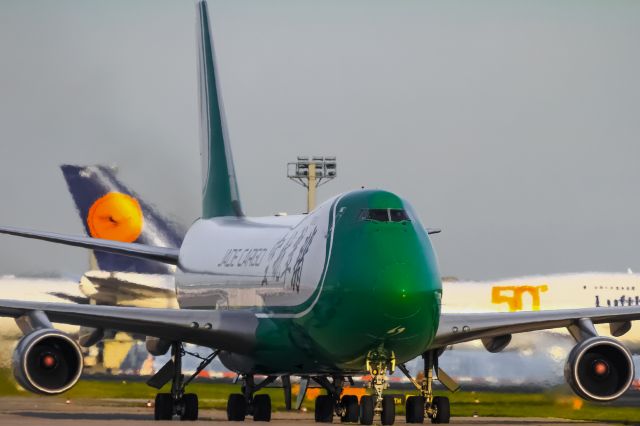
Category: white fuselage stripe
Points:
column 324, row 274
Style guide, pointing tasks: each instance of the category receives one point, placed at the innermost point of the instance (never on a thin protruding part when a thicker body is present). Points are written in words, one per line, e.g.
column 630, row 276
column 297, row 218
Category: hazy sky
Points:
column 512, row 125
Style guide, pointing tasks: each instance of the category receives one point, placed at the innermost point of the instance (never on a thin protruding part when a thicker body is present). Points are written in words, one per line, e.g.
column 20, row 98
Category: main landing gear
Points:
column 178, row 403
column 345, row 407
column 436, row 408
column 240, row 405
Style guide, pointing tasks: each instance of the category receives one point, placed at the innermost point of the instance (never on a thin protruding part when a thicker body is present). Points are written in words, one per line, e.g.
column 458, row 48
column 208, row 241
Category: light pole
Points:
column 311, row 172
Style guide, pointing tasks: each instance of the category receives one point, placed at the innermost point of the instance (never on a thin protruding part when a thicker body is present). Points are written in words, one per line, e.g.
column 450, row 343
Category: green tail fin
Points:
column 219, row 187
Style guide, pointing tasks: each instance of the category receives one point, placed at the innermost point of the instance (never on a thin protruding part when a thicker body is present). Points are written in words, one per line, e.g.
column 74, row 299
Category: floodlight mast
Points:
column 311, row 172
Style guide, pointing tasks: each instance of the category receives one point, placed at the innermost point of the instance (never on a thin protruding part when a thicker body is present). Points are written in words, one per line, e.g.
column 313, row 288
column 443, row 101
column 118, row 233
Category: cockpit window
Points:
column 398, row 215
column 384, row 215
column 379, row 215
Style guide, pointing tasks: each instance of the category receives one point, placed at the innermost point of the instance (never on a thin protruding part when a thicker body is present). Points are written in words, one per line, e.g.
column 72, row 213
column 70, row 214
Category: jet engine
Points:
column 599, row 369
column 47, row 361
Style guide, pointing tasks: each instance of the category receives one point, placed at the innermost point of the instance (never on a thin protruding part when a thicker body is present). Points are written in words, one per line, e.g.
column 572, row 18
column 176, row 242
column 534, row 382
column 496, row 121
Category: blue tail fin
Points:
column 109, row 210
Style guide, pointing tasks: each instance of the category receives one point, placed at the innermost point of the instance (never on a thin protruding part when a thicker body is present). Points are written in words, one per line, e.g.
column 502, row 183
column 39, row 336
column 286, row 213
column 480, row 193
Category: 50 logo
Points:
column 513, row 296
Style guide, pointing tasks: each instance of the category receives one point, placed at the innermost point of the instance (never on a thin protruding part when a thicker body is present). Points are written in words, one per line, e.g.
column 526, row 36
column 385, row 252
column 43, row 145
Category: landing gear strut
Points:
column 177, row 402
column 426, row 405
column 239, row 405
column 384, row 405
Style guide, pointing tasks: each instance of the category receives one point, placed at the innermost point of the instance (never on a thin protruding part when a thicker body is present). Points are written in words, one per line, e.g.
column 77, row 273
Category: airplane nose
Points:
column 399, row 291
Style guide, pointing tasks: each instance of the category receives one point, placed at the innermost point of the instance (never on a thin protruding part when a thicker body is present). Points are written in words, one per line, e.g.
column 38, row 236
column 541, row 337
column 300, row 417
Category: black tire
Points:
column 189, row 407
column 163, row 409
column 388, row 415
column 443, row 410
column 351, row 409
column 236, row 407
column 415, row 409
column 324, row 409
column 366, row 410
column 262, row 408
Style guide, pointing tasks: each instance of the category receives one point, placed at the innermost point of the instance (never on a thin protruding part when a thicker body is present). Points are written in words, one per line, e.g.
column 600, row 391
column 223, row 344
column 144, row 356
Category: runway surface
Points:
column 55, row 411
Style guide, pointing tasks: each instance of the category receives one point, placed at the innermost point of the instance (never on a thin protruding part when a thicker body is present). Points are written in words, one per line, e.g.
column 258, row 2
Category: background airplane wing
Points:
column 231, row 330
column 458, row 328
column 160, row 254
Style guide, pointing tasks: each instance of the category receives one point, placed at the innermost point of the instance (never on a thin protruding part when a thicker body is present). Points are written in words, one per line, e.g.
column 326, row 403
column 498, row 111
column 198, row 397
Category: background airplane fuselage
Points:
column 57, row 290
column 328, row 288
column 545, row 292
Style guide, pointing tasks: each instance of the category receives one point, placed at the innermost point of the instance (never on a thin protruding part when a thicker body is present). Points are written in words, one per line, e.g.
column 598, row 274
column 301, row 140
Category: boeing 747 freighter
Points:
column 352, row 287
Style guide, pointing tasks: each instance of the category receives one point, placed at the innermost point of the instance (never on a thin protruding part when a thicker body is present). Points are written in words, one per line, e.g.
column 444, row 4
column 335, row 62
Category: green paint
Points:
column 381, row 292
column 220, row 191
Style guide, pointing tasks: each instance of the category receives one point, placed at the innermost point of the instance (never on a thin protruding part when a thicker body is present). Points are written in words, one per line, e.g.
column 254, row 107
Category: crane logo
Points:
column 115, row 216
column 513, row 296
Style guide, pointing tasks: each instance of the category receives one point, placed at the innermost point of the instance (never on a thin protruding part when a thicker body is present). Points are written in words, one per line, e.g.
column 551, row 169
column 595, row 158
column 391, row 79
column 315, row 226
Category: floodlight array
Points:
column 326, row 169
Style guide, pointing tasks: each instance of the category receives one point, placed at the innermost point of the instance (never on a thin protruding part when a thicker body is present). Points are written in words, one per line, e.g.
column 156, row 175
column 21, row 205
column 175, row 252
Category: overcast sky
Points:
column 513, row 126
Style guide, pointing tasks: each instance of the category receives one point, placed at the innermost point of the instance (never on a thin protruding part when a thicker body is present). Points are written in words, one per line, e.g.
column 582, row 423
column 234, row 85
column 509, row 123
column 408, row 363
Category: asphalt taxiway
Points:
column 27, row 411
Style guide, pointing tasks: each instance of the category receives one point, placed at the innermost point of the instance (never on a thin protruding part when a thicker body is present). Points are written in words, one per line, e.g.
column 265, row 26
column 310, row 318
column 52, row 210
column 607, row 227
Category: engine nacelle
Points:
column 599, row 369
column 47, row 361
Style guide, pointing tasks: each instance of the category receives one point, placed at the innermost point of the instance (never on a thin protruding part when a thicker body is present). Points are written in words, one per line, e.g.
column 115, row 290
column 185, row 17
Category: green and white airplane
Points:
column 352, row 287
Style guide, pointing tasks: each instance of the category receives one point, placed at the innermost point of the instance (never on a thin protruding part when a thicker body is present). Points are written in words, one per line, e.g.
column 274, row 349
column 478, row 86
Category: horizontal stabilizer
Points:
column 142, row 251
column 130, row 289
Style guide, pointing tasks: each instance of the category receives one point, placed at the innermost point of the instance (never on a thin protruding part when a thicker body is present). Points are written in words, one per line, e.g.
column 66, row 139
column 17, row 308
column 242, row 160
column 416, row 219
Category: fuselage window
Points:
column 384, row 215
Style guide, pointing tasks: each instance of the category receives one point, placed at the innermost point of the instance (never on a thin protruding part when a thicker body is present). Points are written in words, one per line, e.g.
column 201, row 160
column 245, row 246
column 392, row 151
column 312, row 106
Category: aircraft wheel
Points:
column 236, row 407
column 388, row 415
column 163, row 409
column 443, row 410
column 324, row 409
column 262, row 408
column 351, row 409
column 415, row 409
column 189, row 407
column 366, row 410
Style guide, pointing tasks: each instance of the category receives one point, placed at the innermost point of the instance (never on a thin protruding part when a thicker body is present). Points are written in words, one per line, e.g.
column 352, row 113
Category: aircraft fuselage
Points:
column 355, row 276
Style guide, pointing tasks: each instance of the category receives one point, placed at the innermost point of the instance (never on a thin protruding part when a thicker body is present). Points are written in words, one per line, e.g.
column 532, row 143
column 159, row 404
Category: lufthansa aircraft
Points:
column 110, row 210
column 352, row 287
column 546, row 292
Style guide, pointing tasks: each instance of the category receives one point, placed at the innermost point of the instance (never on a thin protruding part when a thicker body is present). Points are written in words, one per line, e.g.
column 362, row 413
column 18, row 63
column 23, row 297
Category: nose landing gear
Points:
column 377, row 365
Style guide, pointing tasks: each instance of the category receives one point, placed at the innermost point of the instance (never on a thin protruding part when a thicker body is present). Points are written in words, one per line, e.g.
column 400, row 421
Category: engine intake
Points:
column 47, row 361
column 599, row 369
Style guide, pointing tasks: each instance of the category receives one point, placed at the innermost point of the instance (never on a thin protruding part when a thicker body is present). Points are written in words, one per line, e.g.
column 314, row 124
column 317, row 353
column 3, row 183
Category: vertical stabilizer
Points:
column 109, row 210
column 219, row 187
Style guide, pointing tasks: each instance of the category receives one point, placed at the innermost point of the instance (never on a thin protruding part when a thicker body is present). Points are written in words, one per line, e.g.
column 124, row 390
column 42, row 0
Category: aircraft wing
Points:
column 458, row 328
column 160, row 254
column 231, row 330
